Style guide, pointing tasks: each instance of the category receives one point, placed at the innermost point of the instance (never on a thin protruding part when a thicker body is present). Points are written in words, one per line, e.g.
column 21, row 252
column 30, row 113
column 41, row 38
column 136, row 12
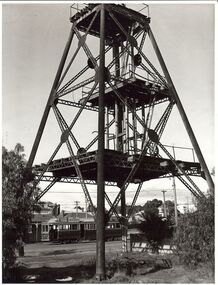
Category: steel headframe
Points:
column 124, row 120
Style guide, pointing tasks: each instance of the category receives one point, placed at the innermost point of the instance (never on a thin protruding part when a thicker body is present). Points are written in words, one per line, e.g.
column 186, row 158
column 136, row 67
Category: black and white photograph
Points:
column 108, row 142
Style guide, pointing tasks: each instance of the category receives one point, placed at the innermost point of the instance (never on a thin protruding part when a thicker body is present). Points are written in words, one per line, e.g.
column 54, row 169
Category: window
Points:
column 91, row 226
column 45, row 228
column 117, row 225
column 86, row 226
column 73, row 227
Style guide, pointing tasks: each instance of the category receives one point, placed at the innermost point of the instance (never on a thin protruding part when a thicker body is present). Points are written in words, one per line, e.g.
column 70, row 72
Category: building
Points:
column 42, row 221
column 49, row 218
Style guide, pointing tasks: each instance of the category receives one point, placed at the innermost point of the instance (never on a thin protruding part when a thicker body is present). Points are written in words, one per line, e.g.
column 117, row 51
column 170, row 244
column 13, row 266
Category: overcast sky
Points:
column 33, row 39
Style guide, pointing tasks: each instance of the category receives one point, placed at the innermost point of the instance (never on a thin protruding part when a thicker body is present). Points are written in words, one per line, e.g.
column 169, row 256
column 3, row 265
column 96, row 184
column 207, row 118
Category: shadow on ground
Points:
column 56, row 252
column 85, row 273
column 70, row 274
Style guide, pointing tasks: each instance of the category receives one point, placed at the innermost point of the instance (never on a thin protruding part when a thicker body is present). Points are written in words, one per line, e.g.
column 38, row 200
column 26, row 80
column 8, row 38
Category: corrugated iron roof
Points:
column 42, row 217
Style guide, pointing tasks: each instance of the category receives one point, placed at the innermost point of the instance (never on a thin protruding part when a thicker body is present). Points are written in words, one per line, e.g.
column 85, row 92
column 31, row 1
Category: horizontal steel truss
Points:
column 95, row 108
column 115, row 162
column 73, row 180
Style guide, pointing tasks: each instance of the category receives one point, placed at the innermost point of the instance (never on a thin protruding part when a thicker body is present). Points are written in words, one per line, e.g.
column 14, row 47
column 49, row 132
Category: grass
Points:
column 122, row 268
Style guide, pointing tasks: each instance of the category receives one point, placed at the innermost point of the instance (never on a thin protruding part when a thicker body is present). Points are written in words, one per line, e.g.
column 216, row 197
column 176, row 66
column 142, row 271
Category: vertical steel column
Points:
column 182, row 113
column 119, row 137
column 118, row 105
column 132, row 67
column 126, row 123
column 107, row 129
column 134, row 123
column 116, row 125
column 122, row 60
column 100, row 218
column 144, row 129
column 50, row 101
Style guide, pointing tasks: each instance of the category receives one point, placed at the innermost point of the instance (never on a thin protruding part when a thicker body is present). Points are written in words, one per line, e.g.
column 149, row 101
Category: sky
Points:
column 33, row 39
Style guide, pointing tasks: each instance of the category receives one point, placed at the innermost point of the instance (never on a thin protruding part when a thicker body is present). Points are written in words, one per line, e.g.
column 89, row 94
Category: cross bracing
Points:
column 134, row 88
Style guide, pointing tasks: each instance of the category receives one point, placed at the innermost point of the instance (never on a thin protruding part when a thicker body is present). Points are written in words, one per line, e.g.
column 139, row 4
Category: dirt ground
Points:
column 54, row 255
column 75, row 263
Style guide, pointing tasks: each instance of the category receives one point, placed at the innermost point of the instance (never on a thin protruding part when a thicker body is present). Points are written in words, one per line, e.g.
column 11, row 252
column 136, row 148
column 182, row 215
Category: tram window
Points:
column 45, row 228
column 92, row 226
column 74, row 227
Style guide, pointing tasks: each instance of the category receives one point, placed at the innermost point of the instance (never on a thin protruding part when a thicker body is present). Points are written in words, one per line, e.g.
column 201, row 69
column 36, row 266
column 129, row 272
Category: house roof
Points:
column 65, row 217
column 75, row 217
column 42, row 218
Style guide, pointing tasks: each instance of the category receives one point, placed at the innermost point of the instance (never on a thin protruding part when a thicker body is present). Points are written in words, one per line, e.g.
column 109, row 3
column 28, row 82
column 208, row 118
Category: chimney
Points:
column 62, row 213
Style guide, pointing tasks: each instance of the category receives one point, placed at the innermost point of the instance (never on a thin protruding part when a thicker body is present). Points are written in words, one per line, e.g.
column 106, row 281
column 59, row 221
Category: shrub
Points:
column 194, row 237
column 156, row 231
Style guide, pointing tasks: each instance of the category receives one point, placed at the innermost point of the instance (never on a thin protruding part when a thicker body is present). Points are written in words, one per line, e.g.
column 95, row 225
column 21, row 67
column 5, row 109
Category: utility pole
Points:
column 175, row 196
column 76, row 206
column 164, row 203
column 175, row 202
column 86, row 203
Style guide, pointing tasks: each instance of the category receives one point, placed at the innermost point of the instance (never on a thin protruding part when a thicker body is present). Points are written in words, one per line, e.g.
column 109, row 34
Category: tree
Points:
column 17, row 198
column 151, row 208
column 154, row 227
column 194, row 237
column 170, row 206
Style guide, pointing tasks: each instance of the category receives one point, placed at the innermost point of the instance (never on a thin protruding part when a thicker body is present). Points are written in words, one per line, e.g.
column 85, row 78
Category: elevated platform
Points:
column 133, row 88
column 126, row 16
column 118, row 166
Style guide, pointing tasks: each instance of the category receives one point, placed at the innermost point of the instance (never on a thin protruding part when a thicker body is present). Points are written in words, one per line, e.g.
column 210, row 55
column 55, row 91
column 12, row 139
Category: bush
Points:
column 156, row 231
column 194, row 237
